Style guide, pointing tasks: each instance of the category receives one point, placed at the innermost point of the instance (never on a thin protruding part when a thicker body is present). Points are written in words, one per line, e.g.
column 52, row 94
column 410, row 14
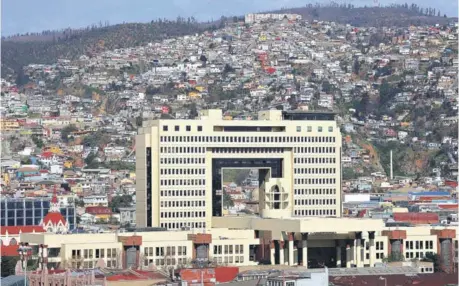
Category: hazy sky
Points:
column 21, row 16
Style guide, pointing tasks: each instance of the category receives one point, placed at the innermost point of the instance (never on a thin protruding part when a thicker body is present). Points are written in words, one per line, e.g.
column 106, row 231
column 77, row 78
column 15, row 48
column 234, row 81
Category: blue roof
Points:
column 13, row 280
column 437, row 193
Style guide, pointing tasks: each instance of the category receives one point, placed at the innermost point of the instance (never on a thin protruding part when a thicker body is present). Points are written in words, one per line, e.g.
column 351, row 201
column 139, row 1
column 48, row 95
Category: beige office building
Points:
column 179, row 203
column 180, row 162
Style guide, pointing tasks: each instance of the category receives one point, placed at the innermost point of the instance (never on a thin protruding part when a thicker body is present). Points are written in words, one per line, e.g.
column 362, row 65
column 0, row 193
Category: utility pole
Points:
column 391, row 166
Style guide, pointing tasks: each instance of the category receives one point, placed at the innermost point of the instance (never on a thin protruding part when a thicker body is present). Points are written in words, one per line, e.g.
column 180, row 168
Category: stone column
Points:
column 281, row 252
column 272, row 253
column 358, row 250
column 371, row 236
column 338, row 253
column 290, row 248
column 348, row 254
column 304, row 248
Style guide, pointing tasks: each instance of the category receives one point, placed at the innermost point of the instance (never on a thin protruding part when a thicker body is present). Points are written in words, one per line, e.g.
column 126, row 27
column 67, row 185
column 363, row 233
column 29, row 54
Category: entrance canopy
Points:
column 299, row 225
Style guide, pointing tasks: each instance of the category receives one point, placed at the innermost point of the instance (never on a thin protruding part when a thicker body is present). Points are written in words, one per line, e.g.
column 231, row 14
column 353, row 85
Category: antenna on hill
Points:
column 391, row 166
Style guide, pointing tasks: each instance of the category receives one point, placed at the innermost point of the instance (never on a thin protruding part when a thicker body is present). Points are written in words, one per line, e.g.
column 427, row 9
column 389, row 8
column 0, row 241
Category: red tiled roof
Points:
column 23, row 229
column 47, row 154
column 55, row 218
column 435, row 279
column 98, row 210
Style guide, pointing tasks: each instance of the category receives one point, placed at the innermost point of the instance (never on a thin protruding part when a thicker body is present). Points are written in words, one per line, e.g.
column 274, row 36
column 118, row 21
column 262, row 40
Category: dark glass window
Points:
column 199, row 128
column 177, row 128
column 165, row 128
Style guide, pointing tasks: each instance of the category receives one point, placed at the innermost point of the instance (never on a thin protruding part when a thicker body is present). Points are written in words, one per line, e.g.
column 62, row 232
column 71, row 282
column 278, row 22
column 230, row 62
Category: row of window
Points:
column 182, row 193
column 161, row 251
column 99, row 253
column 315, row 170
column 182, row 160
column 177, row 128
column 315, row 212
column 314, row 181
column 92, row 264
column 228, row 249
column 307, row 160
column 419, row 244
column 314, row 202
column 175, row 171
column 319, row 128
column 315, row 191
column 247, row 150
column 228, row 259
column 247, row 139
column 182, row 214
column 316, row 150
column 379, row 245
column 178, row 204
column 179, row 225
column 418, row 255
column 167, row 261
column 183, row 182
column 179, row 150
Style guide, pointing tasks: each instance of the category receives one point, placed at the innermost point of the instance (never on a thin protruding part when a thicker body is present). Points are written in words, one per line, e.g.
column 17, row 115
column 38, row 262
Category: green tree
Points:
column 434, row 258
column 37, row 141
column 8, row 265
column 227, row 200
column 65, row 132
column 138, row 121
column 120, row 202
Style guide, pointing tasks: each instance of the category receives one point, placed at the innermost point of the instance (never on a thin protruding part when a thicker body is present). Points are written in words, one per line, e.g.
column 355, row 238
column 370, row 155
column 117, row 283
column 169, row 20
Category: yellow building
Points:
column 53, row 149
column 6, row 178
column 68, row 164
column 194, row 94
column 9, row 125
column 200, row 88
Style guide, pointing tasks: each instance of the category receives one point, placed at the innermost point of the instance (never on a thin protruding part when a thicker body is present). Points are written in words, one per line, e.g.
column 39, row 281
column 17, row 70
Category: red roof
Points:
column 46, row 154
column 422, row 218
column 12, row 230
column 9, row 250
column 55, row 218
column 98, row 210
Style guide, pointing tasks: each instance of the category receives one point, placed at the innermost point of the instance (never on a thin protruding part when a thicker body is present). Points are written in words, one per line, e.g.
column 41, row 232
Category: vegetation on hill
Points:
column 392, row 15
column 70, row 44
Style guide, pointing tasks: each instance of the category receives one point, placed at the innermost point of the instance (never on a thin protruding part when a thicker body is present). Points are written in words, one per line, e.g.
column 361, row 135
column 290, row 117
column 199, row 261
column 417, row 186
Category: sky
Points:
column 22, row 16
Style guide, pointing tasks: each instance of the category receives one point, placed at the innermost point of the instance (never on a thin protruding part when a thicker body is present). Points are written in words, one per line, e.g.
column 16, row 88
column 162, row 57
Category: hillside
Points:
column 48, row 47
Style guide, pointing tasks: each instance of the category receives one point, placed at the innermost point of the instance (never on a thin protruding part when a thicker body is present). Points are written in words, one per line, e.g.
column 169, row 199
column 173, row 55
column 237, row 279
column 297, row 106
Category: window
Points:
column 199, row 128
column 165, row 128
column 298, row 129
column 309, row 128
column 177, row 128
column 188, row 128
column 319, row 128
column 330, row 128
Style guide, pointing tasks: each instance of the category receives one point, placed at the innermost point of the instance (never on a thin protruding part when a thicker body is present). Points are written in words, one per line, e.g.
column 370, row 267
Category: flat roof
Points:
column 300, row 224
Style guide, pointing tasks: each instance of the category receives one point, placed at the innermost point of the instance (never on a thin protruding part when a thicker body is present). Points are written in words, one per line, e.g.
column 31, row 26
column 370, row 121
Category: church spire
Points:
column 54, row 204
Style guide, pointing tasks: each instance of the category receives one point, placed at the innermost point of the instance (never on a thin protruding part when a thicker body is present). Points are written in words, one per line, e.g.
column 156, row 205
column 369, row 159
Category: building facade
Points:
column 26, row 211
column 180, row 162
